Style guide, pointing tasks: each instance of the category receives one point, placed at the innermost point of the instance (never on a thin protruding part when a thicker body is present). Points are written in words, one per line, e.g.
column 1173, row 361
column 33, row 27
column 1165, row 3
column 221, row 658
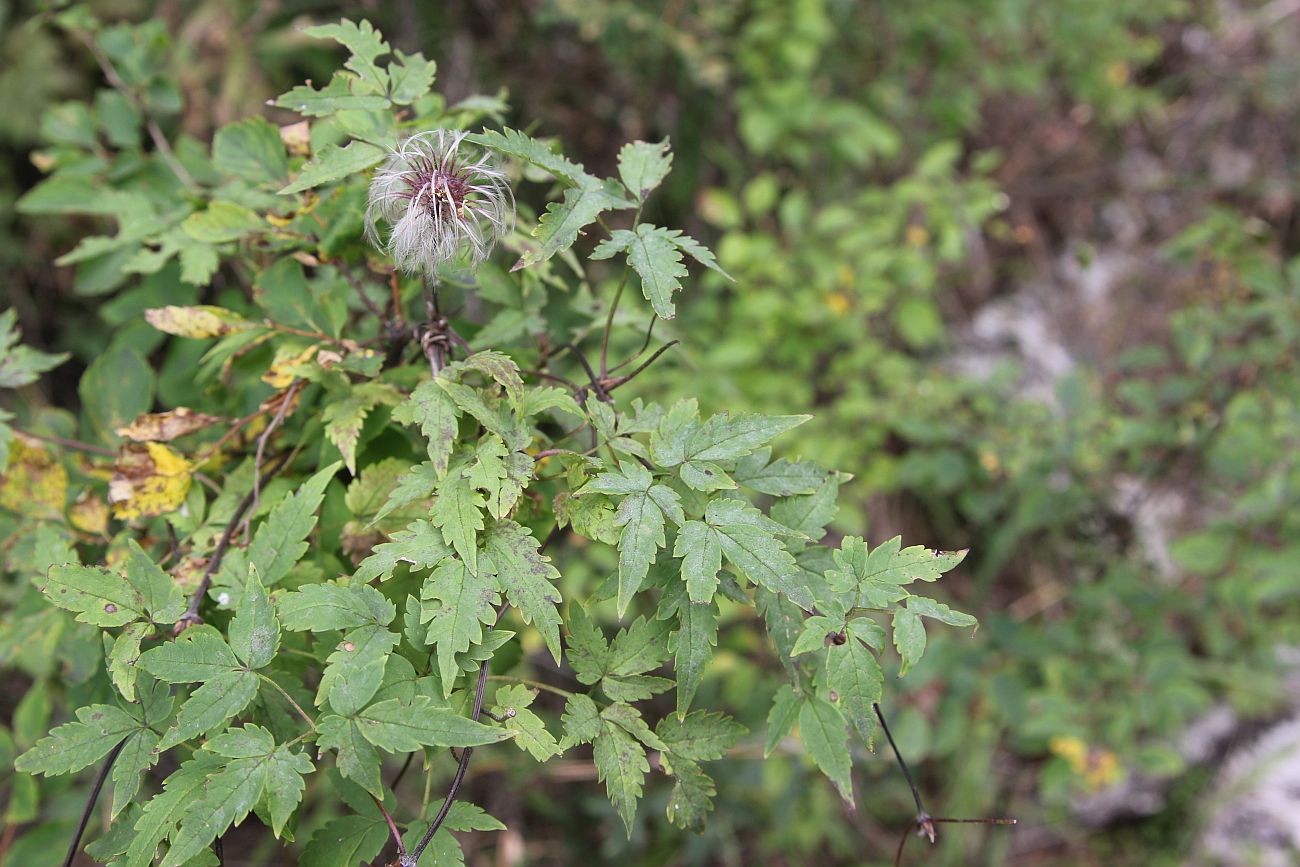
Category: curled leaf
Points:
column 199, row 322
column 166, row 426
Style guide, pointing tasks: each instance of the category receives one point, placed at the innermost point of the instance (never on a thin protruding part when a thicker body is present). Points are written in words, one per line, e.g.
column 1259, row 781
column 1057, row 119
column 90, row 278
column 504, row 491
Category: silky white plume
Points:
column 439, row 196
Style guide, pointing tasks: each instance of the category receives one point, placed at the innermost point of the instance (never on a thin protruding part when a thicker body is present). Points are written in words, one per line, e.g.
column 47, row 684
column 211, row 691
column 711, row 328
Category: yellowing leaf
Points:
column 166, row 426
column 284, row 370
column 89, row 514
column 148, row 480
column 201, row 321
column 34, row 482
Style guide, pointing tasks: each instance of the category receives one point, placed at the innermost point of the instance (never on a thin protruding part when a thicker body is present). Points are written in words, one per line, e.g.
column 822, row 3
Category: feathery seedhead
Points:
column 440, row 197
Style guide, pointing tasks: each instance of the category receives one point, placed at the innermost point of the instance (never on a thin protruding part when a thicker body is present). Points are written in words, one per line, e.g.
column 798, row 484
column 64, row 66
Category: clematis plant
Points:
column 423, row 523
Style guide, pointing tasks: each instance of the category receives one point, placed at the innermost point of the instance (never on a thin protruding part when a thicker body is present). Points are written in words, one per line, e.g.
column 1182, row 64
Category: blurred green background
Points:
column 1035, row 267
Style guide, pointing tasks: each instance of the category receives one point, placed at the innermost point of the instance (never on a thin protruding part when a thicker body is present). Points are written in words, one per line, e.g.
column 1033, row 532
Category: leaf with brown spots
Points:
column 166, row 426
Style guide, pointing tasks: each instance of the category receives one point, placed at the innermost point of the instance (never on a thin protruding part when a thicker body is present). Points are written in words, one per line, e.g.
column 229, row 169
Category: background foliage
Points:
column 1031, row 267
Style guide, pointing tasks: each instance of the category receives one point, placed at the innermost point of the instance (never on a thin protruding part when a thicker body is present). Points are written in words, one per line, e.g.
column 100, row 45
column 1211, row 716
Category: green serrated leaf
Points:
column 341, row 94
column 458, row 514
column 257, row 769
column 365, row 44
column 416, row 484
column 347, row 841
column 558, row 228
column 356, row 756
column 254, row 630
column 692, row 796
column 530, row 732
column 588, row 652
column 420, row 544
column 457, row 603
column 643, row 165
column 516, row 144
column 344, row 417
column 700, row 736
column 396, row 726
column 325, row 607
column 281, row 541
column 124, row 658
column 76, row 745
column 162, row 598
column 581, row 721
column 822, row 729
column 22, row 365
column 211, row 706
column 252, row 151
column 334, row 163
column 748, row 541
column 527, row 578
column 355, row 670
column 855, row 678
column 656, row 260
column 181, row 790
column 410, row 77
column 98, row 596
column 198, row 654
column 938, row 611
column 780, row 478
column 138, row 754
column 621, row 764
column 693, row 645
column 222, row 222
column 781, row 718
column 909, row 638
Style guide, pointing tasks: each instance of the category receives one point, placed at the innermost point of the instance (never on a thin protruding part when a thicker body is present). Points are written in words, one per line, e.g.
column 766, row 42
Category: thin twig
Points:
column 463, row 762
column 573, row 386
column 460, row 768
column 907, row 775
column 649, row 332
column 173, row 546
column 360, row 289
column 160, row 142
column 618, row 296
column 596, row 381
column 546, row 453
column 410, row 757
column 191, row 615
column 612, row 384
column 609, row 323
column 535, row 684
column 297, row 707
column 262, row 440
column 392, row 827
column 90, row 802
column 924, row 823
column 66, row 443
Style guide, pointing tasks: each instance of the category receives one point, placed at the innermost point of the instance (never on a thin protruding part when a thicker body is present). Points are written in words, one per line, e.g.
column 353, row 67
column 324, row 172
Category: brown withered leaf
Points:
column 297, row 137
column 166, row 426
